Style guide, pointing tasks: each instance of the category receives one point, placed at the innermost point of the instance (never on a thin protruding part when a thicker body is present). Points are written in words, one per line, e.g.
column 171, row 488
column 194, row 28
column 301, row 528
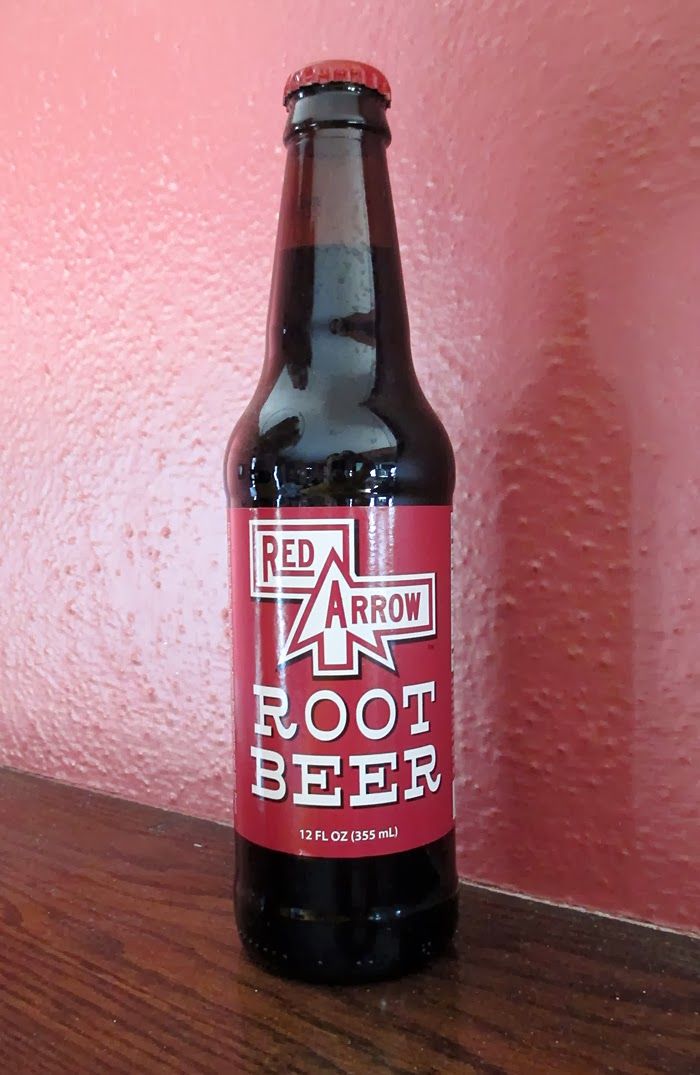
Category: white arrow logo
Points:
column 342, row 614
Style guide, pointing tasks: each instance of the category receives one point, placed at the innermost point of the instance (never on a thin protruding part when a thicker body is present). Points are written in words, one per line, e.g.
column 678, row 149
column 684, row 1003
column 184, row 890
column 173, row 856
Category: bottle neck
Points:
column 337, row 274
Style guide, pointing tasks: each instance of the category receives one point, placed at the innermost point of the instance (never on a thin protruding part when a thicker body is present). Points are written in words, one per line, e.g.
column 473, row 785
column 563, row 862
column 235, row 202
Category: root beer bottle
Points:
column 339, row 479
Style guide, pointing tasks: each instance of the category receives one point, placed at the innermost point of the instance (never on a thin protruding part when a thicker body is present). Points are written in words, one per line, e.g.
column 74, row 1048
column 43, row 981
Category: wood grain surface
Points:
column 119, row 955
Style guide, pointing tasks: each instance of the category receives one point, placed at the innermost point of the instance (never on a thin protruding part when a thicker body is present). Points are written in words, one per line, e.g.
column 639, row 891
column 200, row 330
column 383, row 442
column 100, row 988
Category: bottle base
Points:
column 349, row 952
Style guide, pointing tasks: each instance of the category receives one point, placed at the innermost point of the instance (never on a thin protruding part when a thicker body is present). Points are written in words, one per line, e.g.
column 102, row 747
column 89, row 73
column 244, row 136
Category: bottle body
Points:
column 339, row 479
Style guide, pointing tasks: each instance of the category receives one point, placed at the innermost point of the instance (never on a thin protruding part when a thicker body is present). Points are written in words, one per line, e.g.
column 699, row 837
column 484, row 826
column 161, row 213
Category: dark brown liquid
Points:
column 339, row 419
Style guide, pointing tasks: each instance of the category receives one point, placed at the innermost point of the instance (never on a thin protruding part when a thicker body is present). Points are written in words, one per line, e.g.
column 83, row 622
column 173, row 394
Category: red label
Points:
column 342, row 678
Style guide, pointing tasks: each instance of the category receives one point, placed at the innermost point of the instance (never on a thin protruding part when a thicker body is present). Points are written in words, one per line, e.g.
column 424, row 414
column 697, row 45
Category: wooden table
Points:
column 119, row 955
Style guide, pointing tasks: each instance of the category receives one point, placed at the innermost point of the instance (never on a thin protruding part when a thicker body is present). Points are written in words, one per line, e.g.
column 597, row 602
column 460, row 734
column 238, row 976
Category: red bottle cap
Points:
column 319, row 74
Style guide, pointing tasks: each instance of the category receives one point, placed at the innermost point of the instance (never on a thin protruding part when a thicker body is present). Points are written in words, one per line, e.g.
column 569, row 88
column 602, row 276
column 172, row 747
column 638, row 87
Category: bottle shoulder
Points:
column 306, row 451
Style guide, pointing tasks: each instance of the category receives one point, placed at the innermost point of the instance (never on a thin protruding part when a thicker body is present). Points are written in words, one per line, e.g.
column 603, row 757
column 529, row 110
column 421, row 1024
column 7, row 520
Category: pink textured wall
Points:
column 547, row 194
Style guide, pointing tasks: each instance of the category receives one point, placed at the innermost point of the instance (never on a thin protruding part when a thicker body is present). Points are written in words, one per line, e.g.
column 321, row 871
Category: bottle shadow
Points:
column 564, row 627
